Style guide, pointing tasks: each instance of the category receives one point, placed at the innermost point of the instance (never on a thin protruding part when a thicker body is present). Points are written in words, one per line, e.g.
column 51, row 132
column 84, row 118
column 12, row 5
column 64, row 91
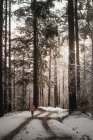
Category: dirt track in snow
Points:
column 44, row 117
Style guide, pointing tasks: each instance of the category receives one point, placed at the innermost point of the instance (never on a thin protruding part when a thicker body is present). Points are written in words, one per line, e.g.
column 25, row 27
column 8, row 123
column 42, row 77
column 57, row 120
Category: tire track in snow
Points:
column 57, row 129
column 13, row 133
column 46, row 126
column 52, row 133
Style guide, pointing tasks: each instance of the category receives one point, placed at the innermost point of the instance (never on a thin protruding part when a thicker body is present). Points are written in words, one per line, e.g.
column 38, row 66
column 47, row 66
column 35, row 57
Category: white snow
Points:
column 12, row 120
column 43, row 115
column 58, row 112
column 59, row 128
column 32, row 131
column 78, row 125
column 56, row 109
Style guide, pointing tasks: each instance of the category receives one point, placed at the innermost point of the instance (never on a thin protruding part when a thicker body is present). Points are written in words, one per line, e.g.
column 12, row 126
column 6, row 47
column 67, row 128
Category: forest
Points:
column 47, row 59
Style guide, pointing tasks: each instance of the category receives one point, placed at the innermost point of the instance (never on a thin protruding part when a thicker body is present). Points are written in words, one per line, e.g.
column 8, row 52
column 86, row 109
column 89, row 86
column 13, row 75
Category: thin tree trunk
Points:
column 84, row 73
column 14, row 94
column 77, row 54
column 35, row 56
column 23, row 87
column 63, row 89
column 91, row 88
column 49, row 89
column 59, row 95
column 55, row 84
column 9, row 82
column 5, row 62
column 1, row 44
column 71, row 66
column 42, row 97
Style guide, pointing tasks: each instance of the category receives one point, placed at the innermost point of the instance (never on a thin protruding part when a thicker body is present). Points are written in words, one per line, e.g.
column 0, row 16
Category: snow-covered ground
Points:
column 12, row 120
column 58, row 112
column 78, row 125
column 32, row 131
column 81, row 126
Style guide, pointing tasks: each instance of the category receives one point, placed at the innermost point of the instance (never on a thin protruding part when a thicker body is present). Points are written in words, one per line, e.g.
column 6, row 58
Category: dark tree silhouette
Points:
column 1, row 30
column 35, row 56
column 71, row 67
column 9, row 82
column 5, row 60
column 77, row 53
column 49, row 89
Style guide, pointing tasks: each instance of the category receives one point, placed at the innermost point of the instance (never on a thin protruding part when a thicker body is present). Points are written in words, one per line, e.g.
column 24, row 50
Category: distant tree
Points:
column 21, row 63
column 55, row 80
column 49, row 89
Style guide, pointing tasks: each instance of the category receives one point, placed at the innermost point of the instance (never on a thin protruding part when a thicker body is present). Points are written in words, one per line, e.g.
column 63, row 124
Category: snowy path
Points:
column 33, row 131
column 11, row 127
column 39, row 129
column 50, row 125
column 57, row 129
column 43, row 115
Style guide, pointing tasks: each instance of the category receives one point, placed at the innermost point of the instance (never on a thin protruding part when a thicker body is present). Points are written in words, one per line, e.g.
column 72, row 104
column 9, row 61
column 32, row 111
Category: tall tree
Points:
column 9, row 82
column 1, row 43
column 5, row 58
column 49, row 89
column 55, row 80
column 77, row 53
column 71, row 66
column 91, row 88
column 35, row 56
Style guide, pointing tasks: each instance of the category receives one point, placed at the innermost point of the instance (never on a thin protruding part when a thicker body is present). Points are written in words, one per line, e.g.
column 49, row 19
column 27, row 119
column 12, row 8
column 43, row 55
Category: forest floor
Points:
column 48, row 124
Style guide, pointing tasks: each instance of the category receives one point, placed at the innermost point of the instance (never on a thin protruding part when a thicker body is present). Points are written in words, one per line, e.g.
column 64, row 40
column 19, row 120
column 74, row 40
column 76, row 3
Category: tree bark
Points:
column 35, row 56
column 91, row 88
column 49, row 89
column 55, row 83
column 5, row 62
column 71, row 66
column 77, row 54
column 9, row 82
column 1, row 44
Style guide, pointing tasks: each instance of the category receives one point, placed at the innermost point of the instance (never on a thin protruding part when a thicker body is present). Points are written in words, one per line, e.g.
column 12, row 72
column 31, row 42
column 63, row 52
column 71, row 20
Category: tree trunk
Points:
column 77, row 54
column 84, row 73
column 55, row 83
column 59, row 95
column 5, row 62
column 71, row 67
column 9, row 82
column 63, row 87
column 14, row 94
column 91, row 88
column 42, row 97
column 35, row 56
column 1, row 44
column 49, row 89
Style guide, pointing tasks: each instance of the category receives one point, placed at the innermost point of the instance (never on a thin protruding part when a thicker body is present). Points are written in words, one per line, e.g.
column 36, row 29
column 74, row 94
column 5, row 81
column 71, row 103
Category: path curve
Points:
column 13, row 133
